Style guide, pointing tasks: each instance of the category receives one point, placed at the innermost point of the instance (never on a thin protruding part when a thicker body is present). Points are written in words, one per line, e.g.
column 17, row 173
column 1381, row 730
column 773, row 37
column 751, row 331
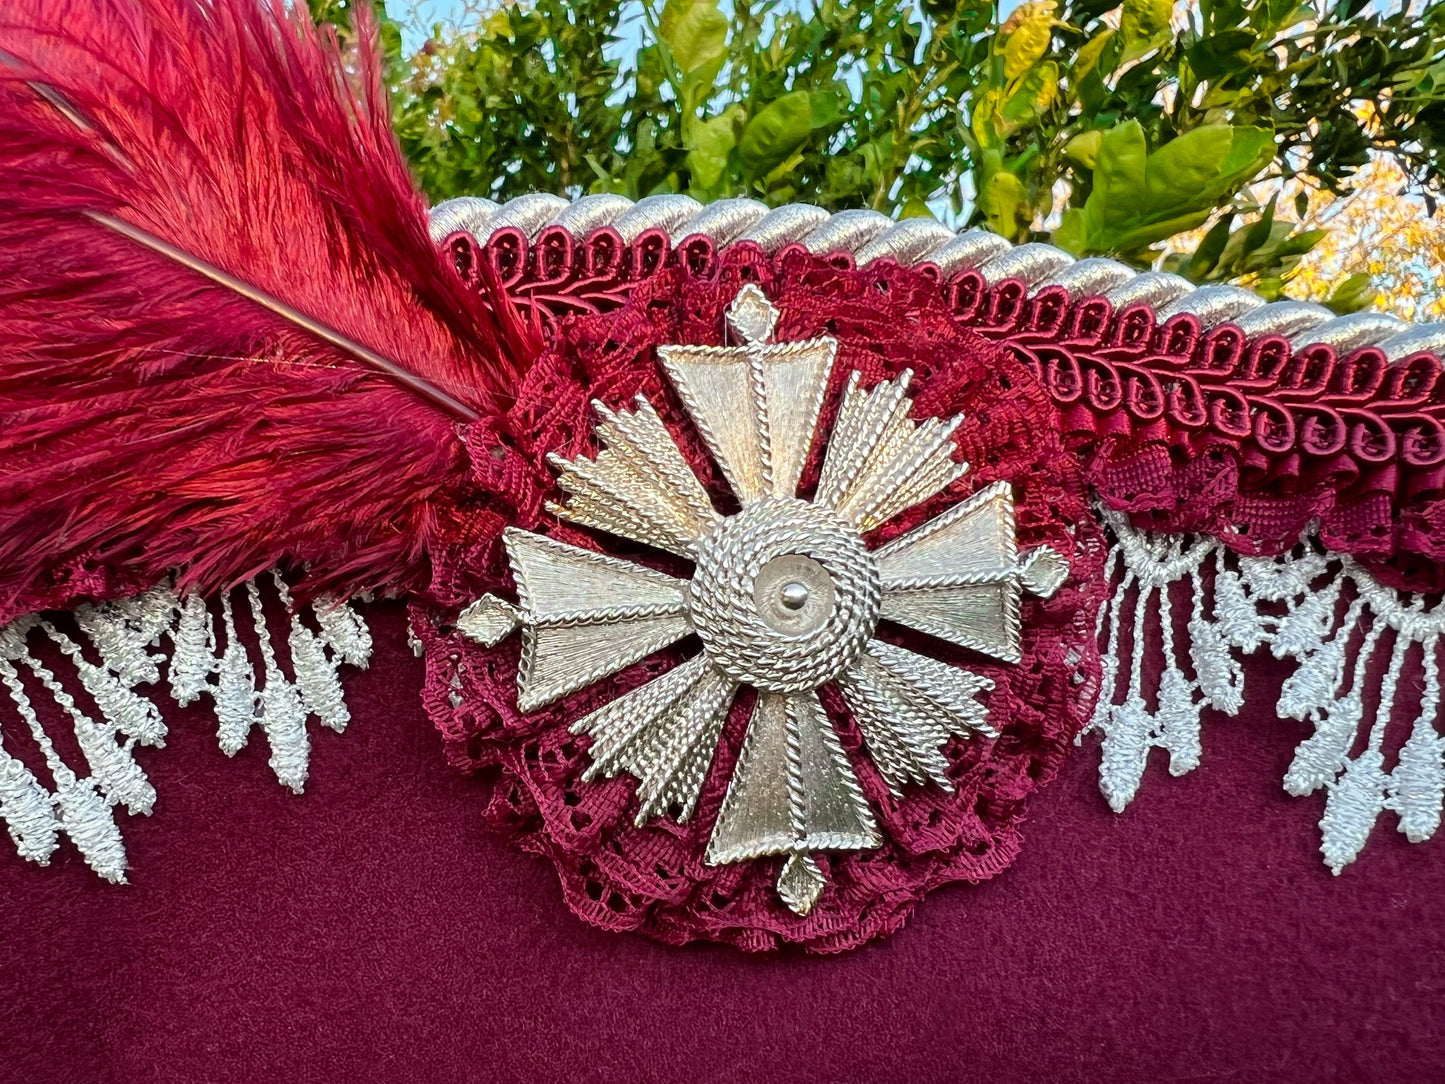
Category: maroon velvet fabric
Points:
column 373, row 930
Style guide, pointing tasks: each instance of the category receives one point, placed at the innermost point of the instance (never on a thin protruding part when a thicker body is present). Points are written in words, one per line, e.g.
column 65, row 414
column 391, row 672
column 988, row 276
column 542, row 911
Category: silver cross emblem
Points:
column 785, row 596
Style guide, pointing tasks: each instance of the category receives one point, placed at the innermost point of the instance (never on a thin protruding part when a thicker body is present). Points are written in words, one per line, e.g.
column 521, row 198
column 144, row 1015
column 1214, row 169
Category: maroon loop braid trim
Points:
column 1187, row 429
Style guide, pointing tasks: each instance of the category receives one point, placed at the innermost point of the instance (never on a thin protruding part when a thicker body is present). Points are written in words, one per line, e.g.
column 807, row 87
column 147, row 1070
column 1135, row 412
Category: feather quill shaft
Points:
column 402, row 376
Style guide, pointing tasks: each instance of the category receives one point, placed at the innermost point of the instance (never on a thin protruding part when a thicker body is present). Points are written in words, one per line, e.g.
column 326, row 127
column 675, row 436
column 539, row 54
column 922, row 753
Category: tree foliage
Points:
column 1379, row 240
column 1101, row 126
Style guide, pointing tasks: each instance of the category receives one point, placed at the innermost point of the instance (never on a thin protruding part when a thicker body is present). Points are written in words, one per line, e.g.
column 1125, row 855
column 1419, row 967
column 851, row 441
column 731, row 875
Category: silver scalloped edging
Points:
column 871, row 236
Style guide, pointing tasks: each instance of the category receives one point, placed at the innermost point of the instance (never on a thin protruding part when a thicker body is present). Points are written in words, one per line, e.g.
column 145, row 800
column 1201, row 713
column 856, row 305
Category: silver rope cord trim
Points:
column 870, row 236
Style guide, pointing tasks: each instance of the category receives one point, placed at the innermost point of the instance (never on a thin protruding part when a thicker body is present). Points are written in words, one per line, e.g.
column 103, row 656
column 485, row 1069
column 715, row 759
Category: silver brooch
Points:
column 785, row 596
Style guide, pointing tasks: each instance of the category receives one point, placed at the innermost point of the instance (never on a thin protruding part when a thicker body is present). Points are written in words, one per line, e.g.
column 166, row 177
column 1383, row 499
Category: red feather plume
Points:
column 153, row 420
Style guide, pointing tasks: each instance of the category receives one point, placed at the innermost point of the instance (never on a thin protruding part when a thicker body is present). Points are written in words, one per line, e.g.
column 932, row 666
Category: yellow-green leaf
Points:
column 1025, row 36
column 1036, row 92
column 987, row 119
column 1139, row 198
column 695, row 32
column 497, row 25
column 914, row 207
column 1089, row 53
column 1004, row 203
column 708, row 143
column 1083, row 149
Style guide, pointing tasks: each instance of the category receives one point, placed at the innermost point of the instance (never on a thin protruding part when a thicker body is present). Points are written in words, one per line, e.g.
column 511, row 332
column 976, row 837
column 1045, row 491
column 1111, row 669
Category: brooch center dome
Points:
column 785, row 596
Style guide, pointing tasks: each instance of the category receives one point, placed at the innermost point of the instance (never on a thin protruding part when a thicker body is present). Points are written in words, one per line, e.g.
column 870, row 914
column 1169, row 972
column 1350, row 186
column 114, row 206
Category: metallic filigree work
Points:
column 785, row 597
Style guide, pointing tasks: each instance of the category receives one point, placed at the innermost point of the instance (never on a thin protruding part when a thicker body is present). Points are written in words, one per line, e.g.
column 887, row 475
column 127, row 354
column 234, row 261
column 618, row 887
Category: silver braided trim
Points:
column 204, row 656
column 1320, row 610
column 871, row 236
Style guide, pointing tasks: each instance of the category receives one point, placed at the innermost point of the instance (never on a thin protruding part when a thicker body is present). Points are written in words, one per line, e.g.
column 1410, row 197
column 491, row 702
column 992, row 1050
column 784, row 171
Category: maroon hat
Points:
column 756, row 568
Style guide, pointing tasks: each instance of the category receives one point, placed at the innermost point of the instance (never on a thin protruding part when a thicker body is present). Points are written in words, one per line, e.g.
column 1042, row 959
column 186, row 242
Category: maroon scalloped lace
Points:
column 652, row 879
column 1188, row 430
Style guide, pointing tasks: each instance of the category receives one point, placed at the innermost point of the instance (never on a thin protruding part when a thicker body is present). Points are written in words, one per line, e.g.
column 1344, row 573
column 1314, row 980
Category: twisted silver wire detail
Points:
column 744, row 646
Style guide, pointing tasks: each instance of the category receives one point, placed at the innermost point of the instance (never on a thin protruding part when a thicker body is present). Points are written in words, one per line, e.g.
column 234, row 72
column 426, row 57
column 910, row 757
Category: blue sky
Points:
column 421, row 15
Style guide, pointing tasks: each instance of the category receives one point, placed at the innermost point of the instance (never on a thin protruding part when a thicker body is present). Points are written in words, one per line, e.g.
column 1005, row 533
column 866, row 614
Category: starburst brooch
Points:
column 786, row 596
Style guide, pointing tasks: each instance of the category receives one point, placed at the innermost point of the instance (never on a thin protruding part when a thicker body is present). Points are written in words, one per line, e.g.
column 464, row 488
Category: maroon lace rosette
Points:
column 654, row 877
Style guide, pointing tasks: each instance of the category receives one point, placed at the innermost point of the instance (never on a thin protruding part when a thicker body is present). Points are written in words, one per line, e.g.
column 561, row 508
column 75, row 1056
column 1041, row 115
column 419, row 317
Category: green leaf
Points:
column 497, row 25
column 708, row 145
column 1258, row 235
column 1297, row 244
column 1083, row 149
column 695, row 32
column 1004, row 203
column 827, row 105
column 1204, row 164
column 874, row 154
column 1035, row 93
column 1073, row 232
column 1140, row 198
column 1220, row 55
column 987, row 120
column 1206, row 256
column 1144, row 24
column 775, row 133
column 1119, row 177
column 915, row 208
column 1352, row 295
column 1090, row 53
column 1151, row 233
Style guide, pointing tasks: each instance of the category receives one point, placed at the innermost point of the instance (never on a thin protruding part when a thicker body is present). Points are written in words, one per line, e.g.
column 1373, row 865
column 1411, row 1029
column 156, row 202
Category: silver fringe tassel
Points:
column 1319, row 609
column 112, row 651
